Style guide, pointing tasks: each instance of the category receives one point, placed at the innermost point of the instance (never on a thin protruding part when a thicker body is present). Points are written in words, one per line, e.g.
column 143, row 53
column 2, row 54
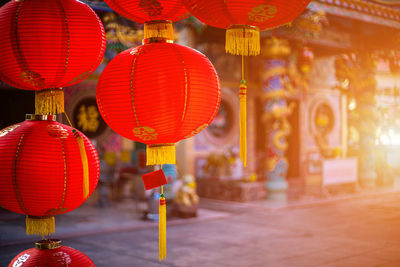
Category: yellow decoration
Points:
column 159, row 28
column 242, row 124
column 85, row 164
column 162, row 227
column 243, row 40
column 160, row 154
column 49, row 101
column 43, row 226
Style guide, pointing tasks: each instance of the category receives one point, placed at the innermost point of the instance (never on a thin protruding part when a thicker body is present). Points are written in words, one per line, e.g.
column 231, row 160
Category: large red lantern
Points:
column 50, row 252
column 243, row 21
column 158, row 94
column 157, row 15
column 47, row 168
column 49, row 44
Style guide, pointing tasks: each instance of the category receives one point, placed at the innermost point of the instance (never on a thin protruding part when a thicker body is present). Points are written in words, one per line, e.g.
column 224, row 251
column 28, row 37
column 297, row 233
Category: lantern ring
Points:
column 158, row 145
column 157, row 40
column 243, row 26
column 40, row 117
column 48, row 244
column 157, row 21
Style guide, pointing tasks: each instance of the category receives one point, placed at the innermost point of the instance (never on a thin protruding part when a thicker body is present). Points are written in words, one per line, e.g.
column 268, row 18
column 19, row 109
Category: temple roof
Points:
column 381, row 12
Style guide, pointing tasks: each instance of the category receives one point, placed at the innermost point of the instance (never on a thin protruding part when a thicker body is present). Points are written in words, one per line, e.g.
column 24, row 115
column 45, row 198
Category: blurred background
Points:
column 323, row 127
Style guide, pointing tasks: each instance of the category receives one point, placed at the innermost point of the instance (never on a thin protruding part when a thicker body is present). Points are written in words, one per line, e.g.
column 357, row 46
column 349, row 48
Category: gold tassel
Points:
column 159, row 28
column 242, row 40
column 85, row 163
column 162, row 227
column 49, row 101
column 160, row 154
column 40, row 225
column 242, row 122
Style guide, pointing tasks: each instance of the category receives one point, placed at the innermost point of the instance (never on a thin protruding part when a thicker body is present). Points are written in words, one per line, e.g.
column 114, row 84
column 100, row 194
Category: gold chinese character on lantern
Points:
column 88, row 118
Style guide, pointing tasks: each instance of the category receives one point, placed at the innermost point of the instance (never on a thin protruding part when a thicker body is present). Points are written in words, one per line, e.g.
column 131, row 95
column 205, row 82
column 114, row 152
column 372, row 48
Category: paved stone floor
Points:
column 348, row 232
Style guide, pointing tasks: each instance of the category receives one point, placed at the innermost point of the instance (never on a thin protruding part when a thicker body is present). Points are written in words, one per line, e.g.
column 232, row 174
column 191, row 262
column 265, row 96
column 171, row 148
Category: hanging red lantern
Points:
column 47, row 168
column 50, row 252
column 49, row 44
column 157, row 15
column 243, row 21
column 157, row 94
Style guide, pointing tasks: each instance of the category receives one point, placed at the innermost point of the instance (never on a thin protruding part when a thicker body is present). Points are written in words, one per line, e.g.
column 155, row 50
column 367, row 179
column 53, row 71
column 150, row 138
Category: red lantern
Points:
column 157, row 15
column 158, row 94
column 50, row 252
column 47, row 168
column 49, row 44
column 244, row 19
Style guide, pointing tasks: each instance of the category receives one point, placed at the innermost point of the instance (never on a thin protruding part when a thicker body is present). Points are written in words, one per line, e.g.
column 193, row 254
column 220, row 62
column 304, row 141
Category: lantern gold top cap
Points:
column 40, row 117
column 48, row 244
column 157, row 40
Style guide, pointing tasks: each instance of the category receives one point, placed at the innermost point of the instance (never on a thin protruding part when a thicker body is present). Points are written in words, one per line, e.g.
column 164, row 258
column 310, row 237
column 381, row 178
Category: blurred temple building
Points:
column 322, row 104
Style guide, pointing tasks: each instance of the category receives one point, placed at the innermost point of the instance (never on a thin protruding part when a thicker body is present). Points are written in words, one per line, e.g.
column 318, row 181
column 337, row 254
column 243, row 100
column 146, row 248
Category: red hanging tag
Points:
column 154, row 179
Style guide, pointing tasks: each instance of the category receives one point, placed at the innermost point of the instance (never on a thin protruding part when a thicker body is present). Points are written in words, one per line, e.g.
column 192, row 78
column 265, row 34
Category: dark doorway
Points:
column 293, row 152
column 14, row 104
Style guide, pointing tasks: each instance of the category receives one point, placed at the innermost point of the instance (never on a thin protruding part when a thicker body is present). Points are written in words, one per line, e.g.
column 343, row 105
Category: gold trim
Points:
column 133, row 102
column 21, row 204
column 68, row 37
column 48, row 244
column 241, row 26
column 65, row 174
column 40, row 117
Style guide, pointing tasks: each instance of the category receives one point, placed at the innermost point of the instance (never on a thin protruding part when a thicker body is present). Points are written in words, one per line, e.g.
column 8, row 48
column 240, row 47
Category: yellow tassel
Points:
column 242, row 40
column 49, row 101
column 242, row 124
column 43, row 225
column 159, row 28
column 160, row 154
column 162, row 228
column 85, row 164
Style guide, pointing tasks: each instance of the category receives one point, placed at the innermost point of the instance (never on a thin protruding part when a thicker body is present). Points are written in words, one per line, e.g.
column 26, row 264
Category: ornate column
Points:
column 276, row 88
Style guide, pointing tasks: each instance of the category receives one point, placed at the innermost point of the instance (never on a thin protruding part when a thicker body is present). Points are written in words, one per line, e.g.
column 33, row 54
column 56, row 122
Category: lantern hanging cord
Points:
column 69, row 122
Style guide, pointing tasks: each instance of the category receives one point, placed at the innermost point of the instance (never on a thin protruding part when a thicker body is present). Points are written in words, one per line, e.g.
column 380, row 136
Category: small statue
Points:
column 186, row 199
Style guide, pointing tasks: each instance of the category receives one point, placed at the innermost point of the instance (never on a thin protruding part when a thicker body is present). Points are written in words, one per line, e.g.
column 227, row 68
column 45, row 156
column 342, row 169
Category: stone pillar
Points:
column 276, row 88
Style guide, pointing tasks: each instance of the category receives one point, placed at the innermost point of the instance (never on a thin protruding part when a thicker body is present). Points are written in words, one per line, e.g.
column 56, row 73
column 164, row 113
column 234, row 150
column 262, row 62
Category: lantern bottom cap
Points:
column 160, row 154
column 243, row 41
column 40, row 225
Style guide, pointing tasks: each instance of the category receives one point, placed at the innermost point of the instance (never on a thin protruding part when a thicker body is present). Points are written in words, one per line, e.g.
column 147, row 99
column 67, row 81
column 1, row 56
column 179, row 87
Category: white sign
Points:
column 339, row 171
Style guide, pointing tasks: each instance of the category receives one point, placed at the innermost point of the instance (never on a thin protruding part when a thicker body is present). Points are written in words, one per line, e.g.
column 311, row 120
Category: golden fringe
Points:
column 242, row 41
column 49, row 101
column 161, row 29
column 162, row 229
column 43, row 226
column 85, row 163
column 242, row 124
column 160, row 154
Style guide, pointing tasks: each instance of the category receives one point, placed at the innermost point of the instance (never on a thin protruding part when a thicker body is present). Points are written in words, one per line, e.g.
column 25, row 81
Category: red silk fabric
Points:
column 49, row 43
column 159, row 93
column 41, row 169
column 260, row 13
column 142, row 11
column 62, row 256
